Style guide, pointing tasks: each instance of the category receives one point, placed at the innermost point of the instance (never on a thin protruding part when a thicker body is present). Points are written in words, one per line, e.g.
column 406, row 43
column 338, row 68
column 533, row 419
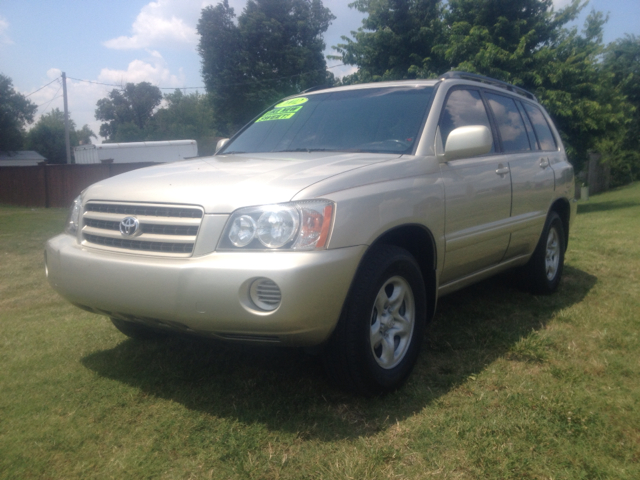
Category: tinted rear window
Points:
column 545, row 138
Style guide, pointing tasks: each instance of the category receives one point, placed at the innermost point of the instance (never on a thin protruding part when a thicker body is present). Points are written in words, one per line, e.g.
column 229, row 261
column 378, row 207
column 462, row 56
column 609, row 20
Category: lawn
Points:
column 509, row 385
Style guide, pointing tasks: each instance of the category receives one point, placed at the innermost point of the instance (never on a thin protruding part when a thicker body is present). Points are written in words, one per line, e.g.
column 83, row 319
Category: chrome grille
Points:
column 164, row 230
column 149, row 210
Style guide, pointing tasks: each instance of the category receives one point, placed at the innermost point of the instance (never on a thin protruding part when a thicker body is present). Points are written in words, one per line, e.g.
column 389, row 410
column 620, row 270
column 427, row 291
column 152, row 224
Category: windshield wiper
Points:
column 308, row 150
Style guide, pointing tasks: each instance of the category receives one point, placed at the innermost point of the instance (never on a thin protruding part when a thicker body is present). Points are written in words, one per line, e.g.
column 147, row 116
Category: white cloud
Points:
column 154, row 71
column 165, row 22
column 560, row 4
column 4, row 37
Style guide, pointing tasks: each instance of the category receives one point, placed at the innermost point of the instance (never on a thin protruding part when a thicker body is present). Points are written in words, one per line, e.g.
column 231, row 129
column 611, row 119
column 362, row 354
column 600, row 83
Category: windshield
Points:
column 378, row 120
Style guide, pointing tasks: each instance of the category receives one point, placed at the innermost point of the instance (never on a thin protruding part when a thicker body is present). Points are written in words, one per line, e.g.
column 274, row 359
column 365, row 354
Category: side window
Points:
column 463, row 108
column 533, row 141
column 510, row 124
column 545, row 138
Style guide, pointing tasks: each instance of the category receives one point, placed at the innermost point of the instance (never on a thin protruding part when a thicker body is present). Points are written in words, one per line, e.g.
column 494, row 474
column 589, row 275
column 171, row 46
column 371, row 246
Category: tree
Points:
column 622, row 60
column 127, row 111
column 622, row 151
column 397, row 40
column 84, row 135
column 15, row 112
column 501, row 38
column 47, row 136
column 569, row 80
column 275, row 50
column 184, row 117
column 424, row 38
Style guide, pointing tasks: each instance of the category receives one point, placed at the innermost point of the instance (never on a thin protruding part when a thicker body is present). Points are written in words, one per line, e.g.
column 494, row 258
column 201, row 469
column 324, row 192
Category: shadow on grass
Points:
column 286, row 390
column 605, row 206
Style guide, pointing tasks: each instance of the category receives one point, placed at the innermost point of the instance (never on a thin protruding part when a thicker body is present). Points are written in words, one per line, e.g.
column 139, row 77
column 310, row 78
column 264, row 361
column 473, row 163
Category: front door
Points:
column 477, row 195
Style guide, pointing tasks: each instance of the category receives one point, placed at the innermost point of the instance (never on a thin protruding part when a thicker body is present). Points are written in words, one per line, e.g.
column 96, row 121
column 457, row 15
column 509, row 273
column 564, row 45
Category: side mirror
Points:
column 221, row 143
column 468, row 141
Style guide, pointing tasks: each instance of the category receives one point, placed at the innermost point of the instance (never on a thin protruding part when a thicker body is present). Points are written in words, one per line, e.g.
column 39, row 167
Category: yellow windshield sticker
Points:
column 292, row 102
column 279, row 114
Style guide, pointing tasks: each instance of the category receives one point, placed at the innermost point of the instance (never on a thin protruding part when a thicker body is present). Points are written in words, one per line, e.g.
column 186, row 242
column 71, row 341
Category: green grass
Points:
column 509, row 385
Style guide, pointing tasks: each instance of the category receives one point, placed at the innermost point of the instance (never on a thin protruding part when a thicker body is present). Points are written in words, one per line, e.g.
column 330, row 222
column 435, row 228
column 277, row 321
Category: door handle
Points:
column 502, row 170
column 544, row 162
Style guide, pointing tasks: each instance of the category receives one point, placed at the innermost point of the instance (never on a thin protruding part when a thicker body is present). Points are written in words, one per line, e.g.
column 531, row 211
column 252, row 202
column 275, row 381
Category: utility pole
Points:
column 66, row 117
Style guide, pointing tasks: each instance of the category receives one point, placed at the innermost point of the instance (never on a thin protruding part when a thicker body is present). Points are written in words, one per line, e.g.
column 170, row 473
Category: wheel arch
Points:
column 419, row 242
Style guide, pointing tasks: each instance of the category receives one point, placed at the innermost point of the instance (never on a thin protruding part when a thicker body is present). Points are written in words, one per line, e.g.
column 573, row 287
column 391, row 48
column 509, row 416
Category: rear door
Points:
column 532, row 178
column 477, row 194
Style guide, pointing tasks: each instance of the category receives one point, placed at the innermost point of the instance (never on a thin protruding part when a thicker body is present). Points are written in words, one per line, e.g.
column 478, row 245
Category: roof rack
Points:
column 315, row 88
column 490, row 81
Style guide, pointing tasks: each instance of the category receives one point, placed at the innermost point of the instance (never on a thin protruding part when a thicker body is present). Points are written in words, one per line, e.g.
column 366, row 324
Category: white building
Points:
column 135, row 152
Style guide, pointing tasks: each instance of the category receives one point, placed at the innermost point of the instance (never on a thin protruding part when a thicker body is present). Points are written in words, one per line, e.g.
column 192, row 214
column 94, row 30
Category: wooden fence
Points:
column 46, row 186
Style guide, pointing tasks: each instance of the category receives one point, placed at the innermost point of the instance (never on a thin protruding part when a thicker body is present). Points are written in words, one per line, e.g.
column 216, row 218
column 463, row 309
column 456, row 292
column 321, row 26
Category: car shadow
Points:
column 286, row 389
column 605, row 206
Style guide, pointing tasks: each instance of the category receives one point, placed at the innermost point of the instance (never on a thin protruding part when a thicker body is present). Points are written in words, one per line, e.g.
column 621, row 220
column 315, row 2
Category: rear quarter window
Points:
column 546, row 140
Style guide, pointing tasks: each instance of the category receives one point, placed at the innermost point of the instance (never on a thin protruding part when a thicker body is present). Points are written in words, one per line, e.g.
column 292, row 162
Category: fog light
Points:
column 265, row 294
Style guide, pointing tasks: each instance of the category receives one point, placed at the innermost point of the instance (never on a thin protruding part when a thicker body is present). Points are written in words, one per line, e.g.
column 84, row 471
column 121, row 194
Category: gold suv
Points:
column 336, row 218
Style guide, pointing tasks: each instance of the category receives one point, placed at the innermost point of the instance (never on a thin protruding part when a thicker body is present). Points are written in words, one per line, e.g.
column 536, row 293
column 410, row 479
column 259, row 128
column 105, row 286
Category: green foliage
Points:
column 499, row 38
column 132, row 115
column 84, row 135
column 184, row 117
column 15, row 111
column 579, row 94
column 396, row 40
column 47, row 136
column 622, row 150
column 274, row 50
column 127, row 111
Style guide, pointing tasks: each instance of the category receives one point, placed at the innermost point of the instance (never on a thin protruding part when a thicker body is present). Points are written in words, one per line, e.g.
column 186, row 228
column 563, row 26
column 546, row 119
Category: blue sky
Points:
column 119, row 41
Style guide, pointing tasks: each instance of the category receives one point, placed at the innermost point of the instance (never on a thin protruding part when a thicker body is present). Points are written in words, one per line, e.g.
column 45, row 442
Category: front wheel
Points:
column 543, row 272
column 377, row 340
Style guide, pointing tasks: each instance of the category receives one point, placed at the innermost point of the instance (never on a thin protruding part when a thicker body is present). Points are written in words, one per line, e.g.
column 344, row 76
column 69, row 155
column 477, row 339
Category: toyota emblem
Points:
column 130, row 227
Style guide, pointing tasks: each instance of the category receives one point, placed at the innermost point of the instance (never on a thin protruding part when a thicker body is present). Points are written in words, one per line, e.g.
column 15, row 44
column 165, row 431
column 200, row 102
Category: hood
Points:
column 224, row 183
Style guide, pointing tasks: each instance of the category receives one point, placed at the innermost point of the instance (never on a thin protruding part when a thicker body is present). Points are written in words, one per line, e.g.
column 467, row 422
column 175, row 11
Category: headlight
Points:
column 73, row 220
column 277, row 227
column 297, row 226
column 243, row 231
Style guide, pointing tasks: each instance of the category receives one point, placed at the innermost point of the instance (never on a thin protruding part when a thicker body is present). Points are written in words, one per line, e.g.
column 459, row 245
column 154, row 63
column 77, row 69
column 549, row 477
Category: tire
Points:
column 137, row 331
column 377, row 340
column 543, row 272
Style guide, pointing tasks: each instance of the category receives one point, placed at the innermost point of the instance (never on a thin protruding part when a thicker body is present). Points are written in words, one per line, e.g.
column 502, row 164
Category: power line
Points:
column 204, row 88
column 55, row 79
column 55, row 95
column 95, row 83
column 49, row 102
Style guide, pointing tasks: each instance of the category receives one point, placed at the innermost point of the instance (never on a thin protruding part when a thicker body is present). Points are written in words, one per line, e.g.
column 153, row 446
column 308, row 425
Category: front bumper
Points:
column 208, row 295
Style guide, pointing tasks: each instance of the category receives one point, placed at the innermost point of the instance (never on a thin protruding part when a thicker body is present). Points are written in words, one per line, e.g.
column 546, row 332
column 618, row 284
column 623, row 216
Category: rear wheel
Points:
column 543, row 272
column 377, row 340
column 136, row 330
